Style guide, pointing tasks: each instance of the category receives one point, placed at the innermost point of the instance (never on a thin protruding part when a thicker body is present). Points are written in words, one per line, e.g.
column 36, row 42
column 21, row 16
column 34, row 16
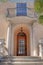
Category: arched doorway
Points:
column 25, row 37
column 21, row 44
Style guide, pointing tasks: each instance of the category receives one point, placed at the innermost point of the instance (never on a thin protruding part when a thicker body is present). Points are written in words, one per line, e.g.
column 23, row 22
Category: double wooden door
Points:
column 21, row 44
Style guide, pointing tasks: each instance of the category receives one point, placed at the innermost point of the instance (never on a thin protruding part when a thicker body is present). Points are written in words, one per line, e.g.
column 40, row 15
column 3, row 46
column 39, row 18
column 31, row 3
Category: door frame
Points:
column 27, row 31
column 25, row 46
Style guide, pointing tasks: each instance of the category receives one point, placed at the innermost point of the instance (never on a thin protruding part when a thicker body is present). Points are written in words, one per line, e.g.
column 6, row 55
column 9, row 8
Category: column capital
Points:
column 10, row 24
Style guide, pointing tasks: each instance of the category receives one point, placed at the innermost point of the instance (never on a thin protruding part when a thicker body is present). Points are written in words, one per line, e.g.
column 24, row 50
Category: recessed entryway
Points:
column 22, row 41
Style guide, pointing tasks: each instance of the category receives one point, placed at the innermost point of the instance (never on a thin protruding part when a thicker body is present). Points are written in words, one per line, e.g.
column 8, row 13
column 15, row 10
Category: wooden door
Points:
column 21, row 45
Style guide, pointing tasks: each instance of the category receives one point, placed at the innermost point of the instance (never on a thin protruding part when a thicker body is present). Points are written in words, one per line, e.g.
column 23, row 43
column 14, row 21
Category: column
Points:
column 34, row 43
column 31, row 40
column 9, row 36
column 33, row 46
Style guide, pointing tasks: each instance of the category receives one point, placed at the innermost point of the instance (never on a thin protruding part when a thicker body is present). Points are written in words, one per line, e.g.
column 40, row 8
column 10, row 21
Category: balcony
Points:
column 12, row 16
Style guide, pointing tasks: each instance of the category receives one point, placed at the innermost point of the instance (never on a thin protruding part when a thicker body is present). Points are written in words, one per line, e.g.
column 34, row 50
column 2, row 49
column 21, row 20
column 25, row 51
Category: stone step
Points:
column 21, row 59
column 21, row 63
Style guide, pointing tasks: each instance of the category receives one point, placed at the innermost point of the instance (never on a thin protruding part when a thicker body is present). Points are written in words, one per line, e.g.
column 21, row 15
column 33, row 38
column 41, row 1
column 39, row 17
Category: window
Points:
column 21, row 9
column 21, row 46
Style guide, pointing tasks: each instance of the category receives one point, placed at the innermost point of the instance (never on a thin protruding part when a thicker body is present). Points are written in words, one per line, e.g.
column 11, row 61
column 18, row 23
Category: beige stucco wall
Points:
column 38, row 30
column 3, row 27
column 38, row 34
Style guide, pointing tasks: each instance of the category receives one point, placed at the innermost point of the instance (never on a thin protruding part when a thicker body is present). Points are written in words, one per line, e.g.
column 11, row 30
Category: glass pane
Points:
column 21, row 9
column 21, row 5
column 21, row 46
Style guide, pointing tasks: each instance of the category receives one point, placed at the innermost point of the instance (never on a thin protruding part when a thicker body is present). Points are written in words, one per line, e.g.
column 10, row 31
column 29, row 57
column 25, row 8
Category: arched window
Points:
column 21, row 44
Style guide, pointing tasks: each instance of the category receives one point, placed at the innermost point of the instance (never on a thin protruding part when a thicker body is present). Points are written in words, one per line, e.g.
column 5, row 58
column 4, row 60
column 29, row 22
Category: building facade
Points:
column 20, row 29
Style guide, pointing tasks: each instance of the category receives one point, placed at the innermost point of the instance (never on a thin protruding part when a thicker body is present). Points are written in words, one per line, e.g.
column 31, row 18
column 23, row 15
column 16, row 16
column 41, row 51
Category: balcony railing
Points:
column 12, row 12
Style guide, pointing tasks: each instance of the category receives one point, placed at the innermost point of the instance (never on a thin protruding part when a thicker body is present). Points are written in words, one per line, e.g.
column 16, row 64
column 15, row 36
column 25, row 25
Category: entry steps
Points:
column 21, row 60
